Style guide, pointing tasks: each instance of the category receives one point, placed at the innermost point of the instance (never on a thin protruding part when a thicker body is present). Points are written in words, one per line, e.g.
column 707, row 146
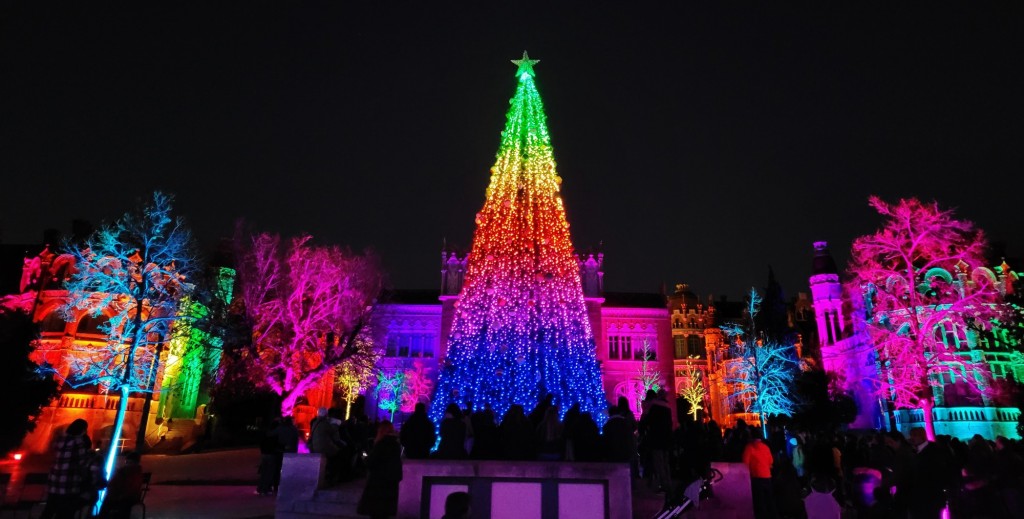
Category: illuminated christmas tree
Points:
column 520, row 329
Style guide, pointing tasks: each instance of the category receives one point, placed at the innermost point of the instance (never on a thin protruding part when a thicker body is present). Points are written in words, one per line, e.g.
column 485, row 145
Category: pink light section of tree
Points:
column 309, row 307
column 419, row 385
column 916, row 276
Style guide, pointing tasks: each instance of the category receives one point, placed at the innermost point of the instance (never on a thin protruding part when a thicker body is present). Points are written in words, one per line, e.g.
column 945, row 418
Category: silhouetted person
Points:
column 586, row 439
column 714, row 441
column 453, row 434
column 418, row 435
column 695, row 461
column 269, row 467
column 626, row 412
column 568, row 429
column 537, row 415
column 550, row 446
column 287, row 436
column 656, row 425
column 788, row 492
column 357, row 429
column 932, row 474
column 69, row 476
column 737, row 441
column 325, row 439
column 456, row 506
column 485, row 435
column 384, row 464
column 618, row 441
column 516, row 435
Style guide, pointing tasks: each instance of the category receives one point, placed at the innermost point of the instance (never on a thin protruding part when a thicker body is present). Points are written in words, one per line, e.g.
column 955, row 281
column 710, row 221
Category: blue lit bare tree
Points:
column 763, row 370
column 132, row 271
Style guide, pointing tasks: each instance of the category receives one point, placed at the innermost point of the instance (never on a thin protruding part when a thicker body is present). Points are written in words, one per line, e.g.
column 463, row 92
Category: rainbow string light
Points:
column 520, row 329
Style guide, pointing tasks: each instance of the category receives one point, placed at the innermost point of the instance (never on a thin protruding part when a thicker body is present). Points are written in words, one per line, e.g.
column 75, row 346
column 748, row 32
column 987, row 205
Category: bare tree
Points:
column 917, row 275
column 694, row 391
column 134, row 272
column 761, row 372
column 309, row 307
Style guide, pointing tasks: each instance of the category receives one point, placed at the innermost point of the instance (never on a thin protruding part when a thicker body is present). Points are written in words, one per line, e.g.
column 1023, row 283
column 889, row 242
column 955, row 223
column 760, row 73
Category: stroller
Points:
column 697, row 490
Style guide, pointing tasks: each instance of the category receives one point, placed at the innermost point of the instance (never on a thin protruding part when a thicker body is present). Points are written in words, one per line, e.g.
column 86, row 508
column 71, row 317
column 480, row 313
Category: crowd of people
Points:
column 794, row 474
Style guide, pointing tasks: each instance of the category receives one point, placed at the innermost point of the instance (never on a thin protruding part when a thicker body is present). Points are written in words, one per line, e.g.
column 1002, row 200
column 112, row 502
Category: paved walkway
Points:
column 221, row 485
column 216, row 484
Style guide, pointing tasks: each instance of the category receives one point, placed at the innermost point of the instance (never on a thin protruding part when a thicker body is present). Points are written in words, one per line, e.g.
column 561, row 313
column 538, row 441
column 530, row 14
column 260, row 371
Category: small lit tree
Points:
column 762, row 372
column 650, row 377
column 917, row 277
column 419, row 385
column 389, row 390
column 355, row 374
column 134, row 272
column 694, row 391
column 309, row 308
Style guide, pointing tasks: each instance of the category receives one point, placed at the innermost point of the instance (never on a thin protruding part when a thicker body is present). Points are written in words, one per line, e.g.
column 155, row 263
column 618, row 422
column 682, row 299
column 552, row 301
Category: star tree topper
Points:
column 525, row 65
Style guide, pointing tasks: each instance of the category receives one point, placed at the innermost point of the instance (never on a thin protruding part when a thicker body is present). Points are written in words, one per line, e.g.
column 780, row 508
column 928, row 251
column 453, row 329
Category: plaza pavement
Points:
column 208, row 485
column 221, row 485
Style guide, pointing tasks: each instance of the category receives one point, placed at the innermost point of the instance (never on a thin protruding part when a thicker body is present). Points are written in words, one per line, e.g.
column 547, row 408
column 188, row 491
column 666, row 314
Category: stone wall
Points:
column 518, row 489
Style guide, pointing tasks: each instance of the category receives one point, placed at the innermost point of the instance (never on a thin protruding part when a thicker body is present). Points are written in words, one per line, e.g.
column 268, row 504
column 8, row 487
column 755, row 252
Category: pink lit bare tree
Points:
column 309, row 307
column 921, row 297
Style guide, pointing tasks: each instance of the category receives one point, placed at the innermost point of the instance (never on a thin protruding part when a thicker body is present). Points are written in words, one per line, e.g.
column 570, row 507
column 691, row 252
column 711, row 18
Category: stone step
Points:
column 327, row 508
column 341, row 495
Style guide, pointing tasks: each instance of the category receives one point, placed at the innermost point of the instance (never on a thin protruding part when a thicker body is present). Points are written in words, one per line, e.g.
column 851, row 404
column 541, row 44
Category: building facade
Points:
column 181, row 391
column 848, row 353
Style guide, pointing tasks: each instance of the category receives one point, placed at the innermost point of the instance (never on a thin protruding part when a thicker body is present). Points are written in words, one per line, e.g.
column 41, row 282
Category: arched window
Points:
column 53, row 323
column 89, row 325
column 632, row 390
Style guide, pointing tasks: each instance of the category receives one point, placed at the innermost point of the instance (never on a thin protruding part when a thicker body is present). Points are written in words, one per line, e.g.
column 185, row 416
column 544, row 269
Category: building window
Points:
column 412, row 346
column 642, row 344
column 695, row 346
column 620, row 347
column 91, row 325
column 984, row 342
column 53, row 323
column 680, row 346
column 998, row 370
column 951, row 335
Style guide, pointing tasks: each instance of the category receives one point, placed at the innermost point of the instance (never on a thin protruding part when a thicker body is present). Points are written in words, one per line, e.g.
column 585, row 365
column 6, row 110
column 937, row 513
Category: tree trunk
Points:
column 288, row 400
column 140, row 438
column 113, row 444
column 927, row 405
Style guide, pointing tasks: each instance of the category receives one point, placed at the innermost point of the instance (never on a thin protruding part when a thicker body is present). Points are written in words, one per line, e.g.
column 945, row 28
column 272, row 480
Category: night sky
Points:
column 699, row 143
